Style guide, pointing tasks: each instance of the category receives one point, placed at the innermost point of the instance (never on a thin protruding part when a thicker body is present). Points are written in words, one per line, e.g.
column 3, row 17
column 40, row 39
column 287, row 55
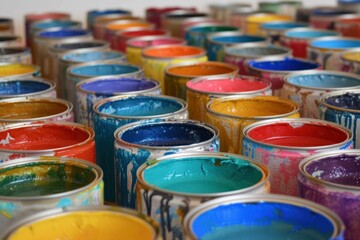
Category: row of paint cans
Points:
column 141, row 142
column 47, row 139
column 16, row 70
column 281, row 144
column 307, row 87
column 33, row 184
column 196, row 178
column 90, row 91
column 274, row 30
column 15, row 55
column 177, row 75
column 114, row 112
column 203, row 89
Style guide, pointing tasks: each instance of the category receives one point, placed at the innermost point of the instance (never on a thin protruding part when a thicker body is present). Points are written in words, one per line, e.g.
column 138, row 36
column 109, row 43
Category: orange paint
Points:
column 172, row 51
column 119, row 27
column 202, row 69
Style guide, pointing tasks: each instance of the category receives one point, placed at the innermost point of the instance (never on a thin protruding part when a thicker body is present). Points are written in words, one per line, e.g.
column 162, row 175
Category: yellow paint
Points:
column 133, row 56
column 99, row 225
column 253, row 22
column 16, row 69
column 352, row 56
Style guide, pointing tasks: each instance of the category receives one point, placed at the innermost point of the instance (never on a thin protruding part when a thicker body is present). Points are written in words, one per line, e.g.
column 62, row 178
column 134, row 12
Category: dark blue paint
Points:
column 63, row 33
column 286, row 64
column 92, row 56
column 21, row 87
column 330, row 12
column 237, row 39
column 5, row 20
column 336, row 43
column 282, row 25
column 54, row 24
column 104, row 69
column 78, row 45
column 348, row 101
column 324, row 80
column 348, row 1
column 96, row 13
column 308, row 34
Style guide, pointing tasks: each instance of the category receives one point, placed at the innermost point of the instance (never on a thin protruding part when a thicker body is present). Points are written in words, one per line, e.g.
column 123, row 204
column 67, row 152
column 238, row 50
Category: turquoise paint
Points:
column 92, row 56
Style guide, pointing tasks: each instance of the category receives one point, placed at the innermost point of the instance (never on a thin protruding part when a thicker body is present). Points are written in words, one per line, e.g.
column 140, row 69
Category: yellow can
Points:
column 231, row 114
column 254, row 21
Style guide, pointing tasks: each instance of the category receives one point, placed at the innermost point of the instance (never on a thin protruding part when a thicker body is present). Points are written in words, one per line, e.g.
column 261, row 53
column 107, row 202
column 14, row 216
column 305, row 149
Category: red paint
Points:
column 123, row 37
column 306, row 135
column 298, row 47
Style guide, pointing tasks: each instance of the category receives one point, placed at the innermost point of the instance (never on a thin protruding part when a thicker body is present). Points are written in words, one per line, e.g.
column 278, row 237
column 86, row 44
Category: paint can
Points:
column 114, row 112
column 330, row 179
column 274, row 69
column 350, row 60
column 156, row 59
column 155, row 15
column 306, row 88
column 176, row 76
column 16, row 70
column 16, row 110
column 78, row 72
column 217, row 43
column 238, row 16
column 92, row 90
column 342, row 107
column 95, row 222
column 135, row 46
column 280, row 7
column 326, row 17
column 327, row 50
column 203, row 89
column 15, row 55
column 298, row 39
column 232, row 114
column 6, row 26
column 274, row 30
column 222, row 11
column 10, row 41
column 93, row 14
column 254, row 21
column 141, row 142
column 121, row 38
column 349, row 5
column 198, row 34
column 34, row 184
column 281, row 144
column 240, row 54
column 258, row 216
column 196, row 178
column 63, row 139
column 192, row 22
column 348, row 25
column 26, row 87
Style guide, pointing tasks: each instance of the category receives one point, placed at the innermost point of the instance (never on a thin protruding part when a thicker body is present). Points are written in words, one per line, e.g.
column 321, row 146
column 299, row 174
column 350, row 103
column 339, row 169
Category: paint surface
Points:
column 237, row 39
column 256, row 51
column 261, row 220
column 298, row 134
column 352, row 56
column 202, row 175
column 287, row 64
column 323, row 80
column 347, row 101
column 124, row 26
column 336, row 44
column 266, row 18
column 100, row 225
column 63, row 33
column 16, row 69
column 19, row 87
column 156, row 42
column 144, row 32
column 91, row 56
column 104, row 69
column 53, row 24
column 309, row 34
column 201, row 69
column 282, row 25
column 173, row 51
column 78, row 45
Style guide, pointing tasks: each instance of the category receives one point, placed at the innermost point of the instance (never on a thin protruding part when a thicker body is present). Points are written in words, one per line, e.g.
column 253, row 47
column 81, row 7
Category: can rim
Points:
column 151, row 38
column 145, row 56
column 51, row 85
column 227, row 50
column 339, row 93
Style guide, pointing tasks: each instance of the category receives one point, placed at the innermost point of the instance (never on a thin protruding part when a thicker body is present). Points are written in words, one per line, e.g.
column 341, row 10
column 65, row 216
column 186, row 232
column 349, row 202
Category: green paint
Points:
column 40, row 179
column 202, row 175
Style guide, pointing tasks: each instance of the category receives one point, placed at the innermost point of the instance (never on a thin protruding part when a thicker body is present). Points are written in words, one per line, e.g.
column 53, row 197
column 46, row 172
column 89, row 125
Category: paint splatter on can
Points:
column 239, row 54
column 282, row 143
column 233, row 113
column 93, row 14
column 196, row 178
column 172, row 21
column 306, row 88
column 34, row 184
column 254, row 21
column 325, row 17
column 350, row 61
column 114, row 112
column 348, row 25
column 10, row 41
column 203, row 89
column 15, row 55
column 332, row 180
column 176, row 76
column 17, row 70
column 95, row 222
column 261, row 216
column 47, row 138
column 274, row 30
column 92, row 90
column 280, row 7
column 342, row 107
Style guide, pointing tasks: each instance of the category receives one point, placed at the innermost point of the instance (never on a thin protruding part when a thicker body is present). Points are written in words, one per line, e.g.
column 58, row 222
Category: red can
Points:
column 348, row 25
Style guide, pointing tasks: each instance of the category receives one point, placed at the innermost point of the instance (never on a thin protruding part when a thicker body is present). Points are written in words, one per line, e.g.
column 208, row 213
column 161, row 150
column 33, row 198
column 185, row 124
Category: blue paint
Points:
column 282, row 25
column 324, row 80
column 286, row 64
column 347, row 100
column 78, row 45
column 348, row 1
column 261, row 220
column 19, row 87
column 310, row 33
column 54, row 24
column 330, row 12
column 63, row 33
column 104, row 69
column 336, row 43
column 92, row 56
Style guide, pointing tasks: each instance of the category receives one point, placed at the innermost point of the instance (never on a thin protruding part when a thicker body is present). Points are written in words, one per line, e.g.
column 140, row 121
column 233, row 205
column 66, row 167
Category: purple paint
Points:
column 347, row 100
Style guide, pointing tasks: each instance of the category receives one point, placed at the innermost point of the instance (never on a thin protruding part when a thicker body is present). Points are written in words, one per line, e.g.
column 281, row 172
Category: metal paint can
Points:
column 96, row 222
column 135, row 46
column 156, row 59
column 281, row 144
column 280, row 7
column 306, row 88
column 222, row 11
column 10, row 41
column 274, row 30
column 233, row 113
column 350, row 60
column 198, row 34
column 63, row 139
column 92, row 90
column 342, row 107
column 93, row 14
column 203, row 89
column 176, row 76
column 6, row 26
column 155, row 15
column 26, row 87
column 217, row 43
column 327, row 50
column 240, row 54
column 326, row 17
column 348, row 25
column 254, row 21
column 298, row 39
column 258, row 216
column 349, row 4
column 33, row 184
column 114, row 112
column 124, row 36
column 330, row 179
column 199, row 177
column 16, row 70
column 140, row 142
column 15, row 55
column 16, row 110
column 274, row 69
column 78, row 72
column 192, row 22
column 238, row 16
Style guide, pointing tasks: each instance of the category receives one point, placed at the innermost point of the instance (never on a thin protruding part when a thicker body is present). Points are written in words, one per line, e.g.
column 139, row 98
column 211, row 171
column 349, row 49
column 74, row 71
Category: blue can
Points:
column 274, row 30
column 93, row 14
column 114, row 112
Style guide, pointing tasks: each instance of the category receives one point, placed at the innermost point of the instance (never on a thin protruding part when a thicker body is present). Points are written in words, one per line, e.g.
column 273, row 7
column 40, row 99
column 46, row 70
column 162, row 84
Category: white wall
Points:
column 16, row 9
